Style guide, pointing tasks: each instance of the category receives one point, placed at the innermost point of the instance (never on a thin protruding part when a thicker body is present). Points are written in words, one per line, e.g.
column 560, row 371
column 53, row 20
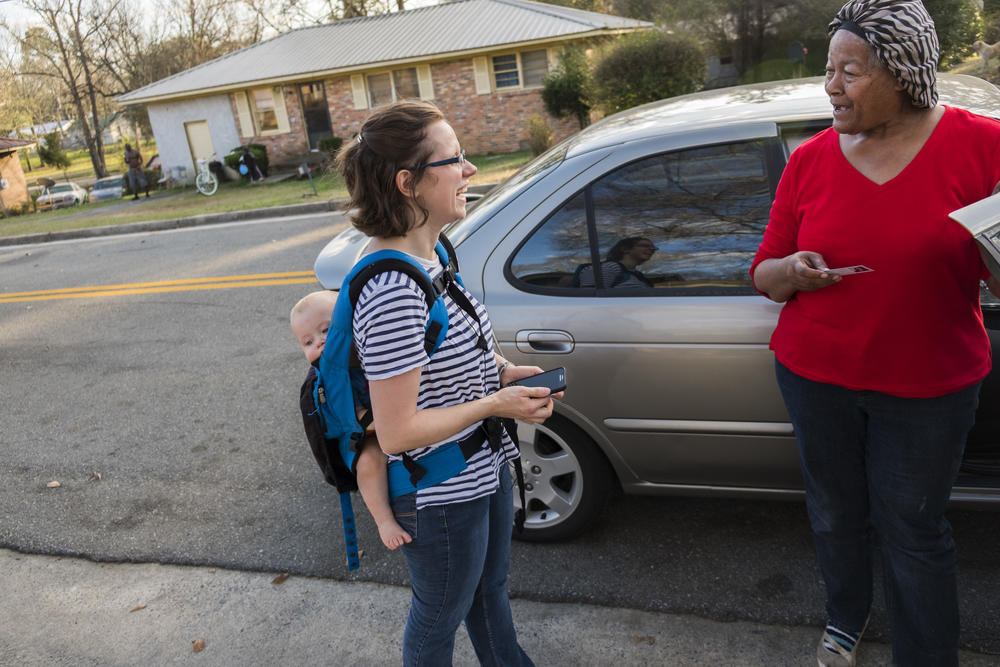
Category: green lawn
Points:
column 239, row 196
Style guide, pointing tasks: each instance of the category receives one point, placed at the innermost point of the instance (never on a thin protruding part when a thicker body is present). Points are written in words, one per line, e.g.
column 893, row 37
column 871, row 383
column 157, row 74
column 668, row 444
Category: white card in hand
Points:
column 848, row 270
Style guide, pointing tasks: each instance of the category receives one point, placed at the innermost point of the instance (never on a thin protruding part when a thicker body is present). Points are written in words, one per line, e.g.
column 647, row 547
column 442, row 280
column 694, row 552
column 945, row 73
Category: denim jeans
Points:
column 458, row 562
column 872, row 461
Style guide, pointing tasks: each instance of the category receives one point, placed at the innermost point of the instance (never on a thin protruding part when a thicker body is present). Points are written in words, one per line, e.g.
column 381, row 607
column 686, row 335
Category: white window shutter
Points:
column 243, row 111
column 553, row 58
column 424, row 82
column 279, row 109
column 482, row 71
column 358, row 91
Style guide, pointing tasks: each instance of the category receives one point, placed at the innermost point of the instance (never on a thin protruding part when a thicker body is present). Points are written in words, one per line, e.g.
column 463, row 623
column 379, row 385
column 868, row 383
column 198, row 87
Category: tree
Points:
column 648, row 66
column 750, row 31
column 50, row 151
column 565, row 89
column 63, row 44
column 958, row 24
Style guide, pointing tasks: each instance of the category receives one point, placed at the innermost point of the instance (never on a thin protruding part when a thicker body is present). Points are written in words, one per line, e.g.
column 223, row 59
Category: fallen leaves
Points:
column 198, row 645
column 137, row 608
column 94, row 477
column 281, row 578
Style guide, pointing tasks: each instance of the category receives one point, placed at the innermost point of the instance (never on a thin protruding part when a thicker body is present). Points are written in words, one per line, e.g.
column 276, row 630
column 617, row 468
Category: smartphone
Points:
column 554, row 380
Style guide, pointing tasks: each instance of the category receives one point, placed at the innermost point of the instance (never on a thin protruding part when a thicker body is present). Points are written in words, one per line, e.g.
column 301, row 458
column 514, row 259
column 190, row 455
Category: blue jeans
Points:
column 458, row 562
column 871, row 461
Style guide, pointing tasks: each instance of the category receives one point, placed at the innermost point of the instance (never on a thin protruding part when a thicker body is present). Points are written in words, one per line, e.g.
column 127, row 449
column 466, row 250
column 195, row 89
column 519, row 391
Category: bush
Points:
column 14, row 211
column 50, row 151
column 330, row 146
column 259, row 152
column 648, row 66
column 565, row 91
column 539, row 135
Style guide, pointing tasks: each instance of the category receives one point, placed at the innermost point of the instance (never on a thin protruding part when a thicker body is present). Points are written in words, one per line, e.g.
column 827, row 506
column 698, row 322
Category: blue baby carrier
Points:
column 336, row 387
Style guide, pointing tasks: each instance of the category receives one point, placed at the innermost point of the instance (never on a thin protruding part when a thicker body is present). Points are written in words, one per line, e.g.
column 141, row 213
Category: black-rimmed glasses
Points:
column 459, row 160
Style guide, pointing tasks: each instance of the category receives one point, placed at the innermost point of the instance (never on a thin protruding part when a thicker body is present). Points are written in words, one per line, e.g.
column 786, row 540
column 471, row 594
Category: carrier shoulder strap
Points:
column 389, row 260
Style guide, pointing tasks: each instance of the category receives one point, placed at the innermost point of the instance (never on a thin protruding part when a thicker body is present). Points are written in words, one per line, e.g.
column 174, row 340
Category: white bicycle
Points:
column 205, row 181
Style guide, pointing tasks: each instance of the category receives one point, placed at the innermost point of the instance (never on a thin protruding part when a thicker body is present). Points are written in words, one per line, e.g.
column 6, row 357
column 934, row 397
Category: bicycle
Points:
column 206, row 181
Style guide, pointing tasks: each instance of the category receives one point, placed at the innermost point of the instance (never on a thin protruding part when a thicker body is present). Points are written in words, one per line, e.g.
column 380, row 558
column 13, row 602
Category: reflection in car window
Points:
column 686, row 222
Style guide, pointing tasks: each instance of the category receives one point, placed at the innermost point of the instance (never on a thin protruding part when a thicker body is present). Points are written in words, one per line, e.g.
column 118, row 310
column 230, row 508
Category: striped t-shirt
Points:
column 389, row 322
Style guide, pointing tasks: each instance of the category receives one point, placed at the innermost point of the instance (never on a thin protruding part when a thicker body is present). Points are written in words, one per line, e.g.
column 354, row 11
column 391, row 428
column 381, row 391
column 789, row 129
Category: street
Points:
column 163, row 400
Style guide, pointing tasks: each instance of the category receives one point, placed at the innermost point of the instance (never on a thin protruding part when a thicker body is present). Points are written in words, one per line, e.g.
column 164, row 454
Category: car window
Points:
column 62, row 187
column 679, row 223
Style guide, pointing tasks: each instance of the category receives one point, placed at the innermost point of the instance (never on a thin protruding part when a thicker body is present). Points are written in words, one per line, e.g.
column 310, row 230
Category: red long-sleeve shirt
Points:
column 913, row 326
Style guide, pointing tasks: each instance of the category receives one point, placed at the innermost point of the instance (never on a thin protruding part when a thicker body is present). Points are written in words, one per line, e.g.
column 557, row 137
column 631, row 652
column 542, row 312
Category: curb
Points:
column 193, row 221
column 175, row 223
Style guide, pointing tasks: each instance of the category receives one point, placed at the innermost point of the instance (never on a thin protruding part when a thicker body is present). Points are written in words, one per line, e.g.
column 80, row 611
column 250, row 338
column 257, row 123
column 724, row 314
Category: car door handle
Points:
column 535, row 341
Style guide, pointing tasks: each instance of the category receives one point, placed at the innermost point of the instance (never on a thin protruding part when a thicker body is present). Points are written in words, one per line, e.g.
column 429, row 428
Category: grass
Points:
column 186, row 201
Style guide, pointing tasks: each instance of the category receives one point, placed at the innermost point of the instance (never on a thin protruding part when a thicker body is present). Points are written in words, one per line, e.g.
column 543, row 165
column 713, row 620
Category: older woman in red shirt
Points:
column 880, row 371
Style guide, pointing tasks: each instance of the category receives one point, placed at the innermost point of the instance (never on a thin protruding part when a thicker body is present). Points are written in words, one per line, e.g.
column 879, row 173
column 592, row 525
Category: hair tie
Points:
column 361, row 137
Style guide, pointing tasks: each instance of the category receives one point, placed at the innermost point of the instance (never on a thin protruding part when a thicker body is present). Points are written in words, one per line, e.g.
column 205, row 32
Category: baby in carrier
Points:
column 310, row 320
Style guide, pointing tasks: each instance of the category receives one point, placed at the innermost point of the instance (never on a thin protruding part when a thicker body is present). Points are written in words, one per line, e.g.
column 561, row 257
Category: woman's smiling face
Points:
column 442, row 189
column 864, row 94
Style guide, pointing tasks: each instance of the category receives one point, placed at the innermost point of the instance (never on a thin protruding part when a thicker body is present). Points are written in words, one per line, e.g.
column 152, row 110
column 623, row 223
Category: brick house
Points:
column 481, row 61
column 13, row 185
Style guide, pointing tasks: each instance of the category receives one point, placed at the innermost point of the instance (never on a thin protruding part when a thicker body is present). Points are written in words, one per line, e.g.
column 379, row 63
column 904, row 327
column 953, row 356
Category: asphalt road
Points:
column 170, row 421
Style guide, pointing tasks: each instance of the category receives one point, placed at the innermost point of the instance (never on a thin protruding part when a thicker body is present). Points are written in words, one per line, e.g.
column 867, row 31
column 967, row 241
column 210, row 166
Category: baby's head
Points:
column 310, row 320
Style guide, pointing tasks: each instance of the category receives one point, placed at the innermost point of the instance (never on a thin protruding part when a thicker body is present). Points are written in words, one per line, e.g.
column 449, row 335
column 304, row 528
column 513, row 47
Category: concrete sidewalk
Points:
column 68, row 611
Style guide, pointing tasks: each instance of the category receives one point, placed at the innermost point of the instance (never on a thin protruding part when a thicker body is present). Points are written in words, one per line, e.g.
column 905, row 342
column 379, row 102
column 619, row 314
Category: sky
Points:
column 16, row 12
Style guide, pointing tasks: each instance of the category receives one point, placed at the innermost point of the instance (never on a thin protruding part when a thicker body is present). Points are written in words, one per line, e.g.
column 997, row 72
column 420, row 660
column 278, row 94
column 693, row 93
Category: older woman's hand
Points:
column 803, row 271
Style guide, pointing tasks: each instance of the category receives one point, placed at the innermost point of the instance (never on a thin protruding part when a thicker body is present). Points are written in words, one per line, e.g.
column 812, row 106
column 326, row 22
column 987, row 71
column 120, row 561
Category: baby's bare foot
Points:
column 393, row 536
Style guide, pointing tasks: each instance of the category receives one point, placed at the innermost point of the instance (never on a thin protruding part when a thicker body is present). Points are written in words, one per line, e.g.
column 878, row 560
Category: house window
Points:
column 534, row 65
column 264, row 113
column 391, row 86
column 505, row 71
column 520, row 70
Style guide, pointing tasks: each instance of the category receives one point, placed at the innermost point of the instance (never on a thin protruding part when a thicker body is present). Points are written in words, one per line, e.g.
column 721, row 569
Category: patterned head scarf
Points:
column 903, row 37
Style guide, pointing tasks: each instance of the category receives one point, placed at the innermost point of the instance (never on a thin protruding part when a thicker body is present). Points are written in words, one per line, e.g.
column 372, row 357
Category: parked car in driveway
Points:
column 60, row 195
column 671, row 385
column 108, row 188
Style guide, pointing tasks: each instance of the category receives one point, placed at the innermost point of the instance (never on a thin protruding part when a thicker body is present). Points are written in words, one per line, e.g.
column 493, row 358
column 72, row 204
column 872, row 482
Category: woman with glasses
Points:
column 407, row 177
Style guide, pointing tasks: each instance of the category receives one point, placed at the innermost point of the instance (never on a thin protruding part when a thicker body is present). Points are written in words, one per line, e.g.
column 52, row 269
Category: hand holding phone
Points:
column 554, row 379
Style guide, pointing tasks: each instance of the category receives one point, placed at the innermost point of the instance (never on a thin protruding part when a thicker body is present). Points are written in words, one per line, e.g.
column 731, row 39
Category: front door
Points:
column 199, row 141
column 315, row 112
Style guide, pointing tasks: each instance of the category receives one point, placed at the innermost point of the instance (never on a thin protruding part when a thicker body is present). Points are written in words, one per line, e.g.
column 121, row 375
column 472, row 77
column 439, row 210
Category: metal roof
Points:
column 461, row 26
column 9, row 144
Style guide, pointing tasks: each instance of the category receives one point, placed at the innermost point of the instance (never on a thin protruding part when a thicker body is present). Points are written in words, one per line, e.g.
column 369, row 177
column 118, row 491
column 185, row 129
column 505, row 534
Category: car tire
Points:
column 566, row 477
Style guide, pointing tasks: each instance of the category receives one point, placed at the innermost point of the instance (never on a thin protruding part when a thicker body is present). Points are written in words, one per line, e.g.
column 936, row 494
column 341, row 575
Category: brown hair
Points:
column 392, row 138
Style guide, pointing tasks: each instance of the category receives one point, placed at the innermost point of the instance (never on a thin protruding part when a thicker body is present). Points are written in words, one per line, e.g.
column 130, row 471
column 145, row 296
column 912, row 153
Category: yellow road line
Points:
column 189, row 285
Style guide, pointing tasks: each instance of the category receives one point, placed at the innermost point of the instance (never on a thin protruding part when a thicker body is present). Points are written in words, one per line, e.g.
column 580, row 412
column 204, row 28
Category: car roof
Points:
column 789, row 101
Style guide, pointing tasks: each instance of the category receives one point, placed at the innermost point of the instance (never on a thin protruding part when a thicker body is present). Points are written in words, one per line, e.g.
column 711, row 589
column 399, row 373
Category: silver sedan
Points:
column 622, row 254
